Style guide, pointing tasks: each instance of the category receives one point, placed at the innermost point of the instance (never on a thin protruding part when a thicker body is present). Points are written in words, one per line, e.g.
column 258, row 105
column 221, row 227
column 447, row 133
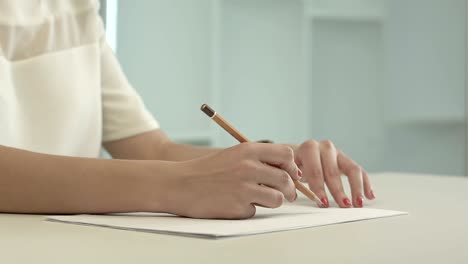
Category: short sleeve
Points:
column 123, row 111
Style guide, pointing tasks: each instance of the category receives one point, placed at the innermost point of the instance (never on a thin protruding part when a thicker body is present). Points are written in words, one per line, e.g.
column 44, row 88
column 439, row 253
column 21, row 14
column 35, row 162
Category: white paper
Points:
column 287, row 217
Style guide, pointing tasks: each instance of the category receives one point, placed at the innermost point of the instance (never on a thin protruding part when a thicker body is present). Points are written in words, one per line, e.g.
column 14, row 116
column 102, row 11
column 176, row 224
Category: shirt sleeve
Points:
column 123, row 111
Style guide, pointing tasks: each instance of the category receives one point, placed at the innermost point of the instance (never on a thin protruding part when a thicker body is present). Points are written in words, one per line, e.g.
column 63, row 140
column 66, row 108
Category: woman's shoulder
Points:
column 31, row 28
column 27, row 12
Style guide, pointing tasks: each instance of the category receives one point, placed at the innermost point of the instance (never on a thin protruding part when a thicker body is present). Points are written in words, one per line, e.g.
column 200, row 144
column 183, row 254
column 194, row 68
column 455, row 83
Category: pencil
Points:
column 241, row 138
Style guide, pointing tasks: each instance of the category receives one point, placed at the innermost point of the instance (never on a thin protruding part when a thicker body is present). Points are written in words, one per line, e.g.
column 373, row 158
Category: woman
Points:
column 63, row 95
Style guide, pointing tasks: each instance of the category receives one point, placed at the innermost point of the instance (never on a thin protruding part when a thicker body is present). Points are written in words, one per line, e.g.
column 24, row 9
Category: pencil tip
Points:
column 207, row 110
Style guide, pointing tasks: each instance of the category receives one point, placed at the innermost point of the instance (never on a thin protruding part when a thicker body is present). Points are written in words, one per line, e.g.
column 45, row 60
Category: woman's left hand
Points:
column 321, row 163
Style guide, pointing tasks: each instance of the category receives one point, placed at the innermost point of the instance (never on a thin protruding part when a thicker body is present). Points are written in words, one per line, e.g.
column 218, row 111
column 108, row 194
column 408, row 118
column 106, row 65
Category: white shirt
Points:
column 62, row 90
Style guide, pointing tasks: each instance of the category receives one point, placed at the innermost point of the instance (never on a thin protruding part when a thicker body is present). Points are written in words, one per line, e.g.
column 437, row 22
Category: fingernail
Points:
column 372, row 194
column 359, row 201
column 299, row 173
column 347, row 202
column 324, row 200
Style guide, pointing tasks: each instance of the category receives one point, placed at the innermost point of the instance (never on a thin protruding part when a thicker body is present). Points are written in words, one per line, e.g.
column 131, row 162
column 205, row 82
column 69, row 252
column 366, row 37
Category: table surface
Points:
column 435, row 231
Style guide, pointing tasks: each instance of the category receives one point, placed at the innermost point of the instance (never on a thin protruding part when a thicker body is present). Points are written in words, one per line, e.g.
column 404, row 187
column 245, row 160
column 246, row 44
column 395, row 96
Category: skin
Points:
column 151, row 173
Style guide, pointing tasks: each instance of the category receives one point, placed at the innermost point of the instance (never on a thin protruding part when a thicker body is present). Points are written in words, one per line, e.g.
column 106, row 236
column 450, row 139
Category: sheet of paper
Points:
column 287, row 217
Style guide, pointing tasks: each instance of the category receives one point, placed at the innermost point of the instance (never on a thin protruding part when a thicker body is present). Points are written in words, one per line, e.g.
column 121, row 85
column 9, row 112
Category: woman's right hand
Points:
column 229, row 183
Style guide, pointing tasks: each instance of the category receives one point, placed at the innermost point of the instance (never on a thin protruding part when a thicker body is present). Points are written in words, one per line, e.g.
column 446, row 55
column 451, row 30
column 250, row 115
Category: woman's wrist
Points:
column 158, row 185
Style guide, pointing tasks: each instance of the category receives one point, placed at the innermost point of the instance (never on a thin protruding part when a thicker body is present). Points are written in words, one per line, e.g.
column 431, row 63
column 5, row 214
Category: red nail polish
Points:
column 299, row 173
column 372, row 194
column 359, row 201
column 347, row 202
column 324, row 200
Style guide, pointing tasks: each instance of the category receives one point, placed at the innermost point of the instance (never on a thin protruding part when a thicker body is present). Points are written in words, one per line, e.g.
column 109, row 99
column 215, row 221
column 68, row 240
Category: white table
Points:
column 435, row 231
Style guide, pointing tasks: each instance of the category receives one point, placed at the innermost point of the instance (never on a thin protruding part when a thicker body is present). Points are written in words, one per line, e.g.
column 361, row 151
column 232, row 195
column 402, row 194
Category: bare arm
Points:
column 226, row 185
column 154, row 145
column 321, row 163
column 226, row 182
column 38, row 183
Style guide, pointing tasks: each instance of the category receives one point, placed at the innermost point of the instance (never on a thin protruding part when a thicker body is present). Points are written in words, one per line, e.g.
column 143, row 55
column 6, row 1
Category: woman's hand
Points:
column 229, row 183
column 323, row 164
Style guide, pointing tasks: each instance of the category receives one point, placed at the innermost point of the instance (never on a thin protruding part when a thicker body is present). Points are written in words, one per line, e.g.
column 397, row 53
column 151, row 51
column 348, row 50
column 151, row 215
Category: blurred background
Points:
column 386, row 80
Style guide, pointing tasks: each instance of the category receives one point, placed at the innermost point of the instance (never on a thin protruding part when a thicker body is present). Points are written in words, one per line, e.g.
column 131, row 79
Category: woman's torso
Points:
column 50, row 96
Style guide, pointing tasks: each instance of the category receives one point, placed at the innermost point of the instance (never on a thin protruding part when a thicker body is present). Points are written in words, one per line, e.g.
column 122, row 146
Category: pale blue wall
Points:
column 389, row 91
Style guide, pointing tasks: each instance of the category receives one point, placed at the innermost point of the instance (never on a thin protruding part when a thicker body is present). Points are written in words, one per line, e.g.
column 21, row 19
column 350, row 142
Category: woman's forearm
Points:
column 180, row 152
column 155, row 145
column 38, row 183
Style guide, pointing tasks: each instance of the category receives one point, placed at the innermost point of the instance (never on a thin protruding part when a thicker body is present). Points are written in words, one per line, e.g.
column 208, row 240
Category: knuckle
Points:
column 289, row 152
column 331, row 174
column 328, row 173
column 246, row 212
column 251, row 211
column 355, row 169
column 236, row 212
column 247, row 148
column 328, row 144
column 311, row 144
column 277, row 200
